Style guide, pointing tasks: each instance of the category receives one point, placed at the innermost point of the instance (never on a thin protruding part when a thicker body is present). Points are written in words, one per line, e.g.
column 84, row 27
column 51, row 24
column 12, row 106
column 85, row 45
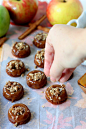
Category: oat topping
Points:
column 18, row 111
column 40, row 54
column 55, row 91
column 21, row 46
column 12, row 87
column 37, row 76
column 41, row 36
column 15, row 65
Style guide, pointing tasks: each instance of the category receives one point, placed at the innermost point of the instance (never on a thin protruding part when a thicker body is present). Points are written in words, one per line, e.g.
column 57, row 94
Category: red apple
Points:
column 21, row 11
column 62, row 11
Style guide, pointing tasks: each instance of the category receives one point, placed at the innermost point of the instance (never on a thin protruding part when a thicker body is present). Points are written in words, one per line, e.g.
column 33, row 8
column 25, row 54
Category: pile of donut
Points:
column 56, row 94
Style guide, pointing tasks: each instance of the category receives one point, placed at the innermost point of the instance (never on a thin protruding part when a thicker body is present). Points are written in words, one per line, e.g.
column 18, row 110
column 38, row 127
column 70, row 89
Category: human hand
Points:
column 62, row 52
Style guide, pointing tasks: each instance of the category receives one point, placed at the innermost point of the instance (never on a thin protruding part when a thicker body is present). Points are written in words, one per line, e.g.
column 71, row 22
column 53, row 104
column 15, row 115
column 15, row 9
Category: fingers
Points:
column 66, row 75
column 49, row 56
column 56, row 70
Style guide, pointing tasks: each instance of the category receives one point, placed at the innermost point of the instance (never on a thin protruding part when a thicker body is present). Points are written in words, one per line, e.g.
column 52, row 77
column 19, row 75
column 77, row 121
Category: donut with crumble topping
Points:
column 39, row 58
column 13, row 91
column 15, row 68
column 56, row 94
column 36, row 79
column 21, row 49
column 40, row 39
column 19, row 114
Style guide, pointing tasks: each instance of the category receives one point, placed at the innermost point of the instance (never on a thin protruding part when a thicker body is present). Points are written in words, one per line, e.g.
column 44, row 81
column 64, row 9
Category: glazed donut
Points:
column 39, row 58
column 20, row 49
column 36, row 79
column 56, row 94
column 19, row 114
column 15, row 68
column 13, row 91
column 40, row 39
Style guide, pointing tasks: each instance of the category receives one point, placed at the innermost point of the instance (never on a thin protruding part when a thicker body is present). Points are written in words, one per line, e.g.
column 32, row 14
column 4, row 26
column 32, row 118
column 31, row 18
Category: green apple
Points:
column 62, row 11
column 4, row 20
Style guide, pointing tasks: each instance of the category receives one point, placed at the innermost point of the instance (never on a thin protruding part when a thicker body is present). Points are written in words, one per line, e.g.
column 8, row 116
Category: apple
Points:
column 4, row 20
column 62, row 11
column 21, row 11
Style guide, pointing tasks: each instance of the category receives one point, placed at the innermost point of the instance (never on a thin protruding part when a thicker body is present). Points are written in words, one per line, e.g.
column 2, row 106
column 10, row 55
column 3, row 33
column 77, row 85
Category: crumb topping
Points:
column 15, row 65
column 56, row 91
column 12, row 86
column 18, row 111
column 37, row 76
column 21, row 46
column 16, row 124
column 41, row 36
column 40, row 54
column 27, row 69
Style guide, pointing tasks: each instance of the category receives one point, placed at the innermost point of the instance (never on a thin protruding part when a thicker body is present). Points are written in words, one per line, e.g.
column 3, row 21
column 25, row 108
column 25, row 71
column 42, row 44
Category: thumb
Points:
column 56, row 70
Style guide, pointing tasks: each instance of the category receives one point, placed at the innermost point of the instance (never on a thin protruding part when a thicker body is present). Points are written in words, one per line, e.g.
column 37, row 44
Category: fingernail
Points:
column 52, row 79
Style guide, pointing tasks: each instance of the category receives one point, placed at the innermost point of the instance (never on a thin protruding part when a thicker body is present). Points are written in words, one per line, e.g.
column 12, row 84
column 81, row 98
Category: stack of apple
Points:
column 62, row 11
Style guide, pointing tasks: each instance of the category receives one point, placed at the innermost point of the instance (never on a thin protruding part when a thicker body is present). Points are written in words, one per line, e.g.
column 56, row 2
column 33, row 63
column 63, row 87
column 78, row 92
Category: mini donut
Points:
column 56, row 94
column 36, row 79
column 39, row 58
column 19, row 114
column 15, row 68
column 20, row 49
column 13, row 91
column 40, row 39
